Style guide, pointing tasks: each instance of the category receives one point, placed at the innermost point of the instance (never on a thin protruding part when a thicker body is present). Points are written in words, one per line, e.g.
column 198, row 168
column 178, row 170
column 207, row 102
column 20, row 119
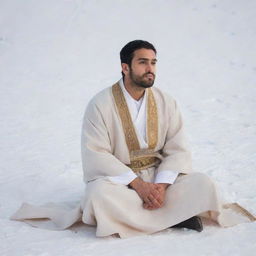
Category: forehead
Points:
column 144, row 53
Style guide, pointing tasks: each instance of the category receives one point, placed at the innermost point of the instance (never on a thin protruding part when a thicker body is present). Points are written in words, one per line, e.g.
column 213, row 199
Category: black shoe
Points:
column 194, row 223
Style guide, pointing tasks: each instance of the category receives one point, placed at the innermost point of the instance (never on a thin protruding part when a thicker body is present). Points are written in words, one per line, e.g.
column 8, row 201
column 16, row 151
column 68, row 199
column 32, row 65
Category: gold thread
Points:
column 143, row 163
column 152, row 120
column 139, row 158
column 129, row 131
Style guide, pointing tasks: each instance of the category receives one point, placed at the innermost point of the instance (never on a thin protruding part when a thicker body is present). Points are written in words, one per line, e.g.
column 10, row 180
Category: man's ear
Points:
column 125, row 68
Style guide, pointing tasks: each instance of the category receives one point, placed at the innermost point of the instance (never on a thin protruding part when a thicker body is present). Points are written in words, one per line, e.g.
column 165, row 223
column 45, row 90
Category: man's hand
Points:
column 161, row 187
column 153, row 195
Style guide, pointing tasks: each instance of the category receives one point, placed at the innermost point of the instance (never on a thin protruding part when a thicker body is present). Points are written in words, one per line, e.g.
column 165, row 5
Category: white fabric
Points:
column 124, row 178
column 117, row 209
column 166, row 177
column 138, row 112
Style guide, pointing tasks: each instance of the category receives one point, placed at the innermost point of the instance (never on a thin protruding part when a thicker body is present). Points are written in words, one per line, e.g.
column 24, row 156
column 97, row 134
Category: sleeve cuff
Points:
column 124, row 178
column 166, row 177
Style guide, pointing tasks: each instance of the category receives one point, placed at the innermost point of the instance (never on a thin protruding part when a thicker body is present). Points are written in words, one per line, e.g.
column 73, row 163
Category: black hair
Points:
column 127, row 52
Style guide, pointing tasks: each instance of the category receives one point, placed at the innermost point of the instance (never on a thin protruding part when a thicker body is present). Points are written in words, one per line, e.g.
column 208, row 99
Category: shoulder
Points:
column 100, row 102
column 164, row 98
column 101, row 97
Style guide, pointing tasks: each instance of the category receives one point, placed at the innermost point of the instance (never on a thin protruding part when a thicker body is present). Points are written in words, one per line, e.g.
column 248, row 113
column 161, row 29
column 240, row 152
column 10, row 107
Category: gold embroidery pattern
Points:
column 143, row 152
column 143, row 159
column 140, row 158
column 129, row 131
column 152, row 120
column 143, row 163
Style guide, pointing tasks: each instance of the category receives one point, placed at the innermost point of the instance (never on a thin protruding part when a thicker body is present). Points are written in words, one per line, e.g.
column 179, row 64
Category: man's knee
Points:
column 198, row 179
column 201, row 176
column 202, row 180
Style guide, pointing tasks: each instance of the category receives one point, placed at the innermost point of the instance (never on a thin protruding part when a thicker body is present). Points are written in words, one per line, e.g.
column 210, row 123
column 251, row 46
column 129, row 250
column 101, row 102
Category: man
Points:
column 135, row 157
column 137, row 167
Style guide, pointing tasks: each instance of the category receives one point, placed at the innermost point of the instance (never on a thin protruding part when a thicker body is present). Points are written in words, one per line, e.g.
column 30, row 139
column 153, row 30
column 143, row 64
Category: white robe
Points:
column 113, row 207
column 138, row 112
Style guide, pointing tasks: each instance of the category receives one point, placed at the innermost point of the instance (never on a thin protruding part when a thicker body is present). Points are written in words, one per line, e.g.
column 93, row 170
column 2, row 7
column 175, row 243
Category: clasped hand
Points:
column 152, row 195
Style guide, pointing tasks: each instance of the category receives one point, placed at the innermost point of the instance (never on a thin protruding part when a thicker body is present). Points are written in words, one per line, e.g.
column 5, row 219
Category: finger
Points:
column 155, row 193
column 155, row 196
column 148, row 202
column 154, row 201
column 152, row 198
column 159, row 202
column 159, row 188
column 161, row 199
column 146, row 206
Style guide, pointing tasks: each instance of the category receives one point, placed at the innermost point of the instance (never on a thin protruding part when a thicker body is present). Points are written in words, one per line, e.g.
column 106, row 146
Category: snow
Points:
column 55, row 55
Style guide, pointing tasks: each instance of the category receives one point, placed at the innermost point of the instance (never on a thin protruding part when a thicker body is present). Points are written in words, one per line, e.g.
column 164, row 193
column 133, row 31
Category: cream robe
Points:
column 103, row 142
column 138, row 111
column 115, row 208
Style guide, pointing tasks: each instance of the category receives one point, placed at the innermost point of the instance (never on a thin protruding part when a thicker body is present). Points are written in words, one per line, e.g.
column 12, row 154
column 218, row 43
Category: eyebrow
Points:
column 147, row 59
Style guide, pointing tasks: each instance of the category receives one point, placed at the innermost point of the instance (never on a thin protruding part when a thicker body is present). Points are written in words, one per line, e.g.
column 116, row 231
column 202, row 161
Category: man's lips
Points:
column 150, row 75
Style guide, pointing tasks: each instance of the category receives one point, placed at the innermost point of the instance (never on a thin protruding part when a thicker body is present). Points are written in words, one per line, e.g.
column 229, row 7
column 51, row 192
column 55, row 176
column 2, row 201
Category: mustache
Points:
column 149, row 73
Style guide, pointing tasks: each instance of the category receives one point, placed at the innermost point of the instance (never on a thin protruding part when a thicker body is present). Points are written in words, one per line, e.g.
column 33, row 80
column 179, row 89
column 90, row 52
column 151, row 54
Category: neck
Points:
column 135, row 91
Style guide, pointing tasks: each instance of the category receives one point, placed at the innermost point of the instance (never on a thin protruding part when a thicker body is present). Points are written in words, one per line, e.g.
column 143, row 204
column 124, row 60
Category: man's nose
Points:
column 150, row 68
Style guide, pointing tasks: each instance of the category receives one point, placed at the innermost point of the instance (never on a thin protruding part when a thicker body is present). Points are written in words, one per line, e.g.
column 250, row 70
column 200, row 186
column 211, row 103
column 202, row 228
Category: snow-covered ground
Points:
column 55, row 55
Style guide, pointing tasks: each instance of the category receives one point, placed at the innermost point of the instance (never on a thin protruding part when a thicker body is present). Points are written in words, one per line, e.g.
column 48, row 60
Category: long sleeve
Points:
column 124, row 178
column 166, row 177
column 176, row 155
column 97, row 156
column 162, row 177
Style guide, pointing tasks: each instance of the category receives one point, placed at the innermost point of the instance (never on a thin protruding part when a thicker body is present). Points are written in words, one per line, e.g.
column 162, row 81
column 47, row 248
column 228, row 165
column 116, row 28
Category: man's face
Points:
column 143, row 68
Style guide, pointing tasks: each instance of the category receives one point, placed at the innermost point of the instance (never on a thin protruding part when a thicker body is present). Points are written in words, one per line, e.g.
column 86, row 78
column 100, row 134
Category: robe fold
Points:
column 115, row 208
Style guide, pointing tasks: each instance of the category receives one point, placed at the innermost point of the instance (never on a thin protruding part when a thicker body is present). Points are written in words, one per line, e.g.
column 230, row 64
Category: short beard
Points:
column 139, row 81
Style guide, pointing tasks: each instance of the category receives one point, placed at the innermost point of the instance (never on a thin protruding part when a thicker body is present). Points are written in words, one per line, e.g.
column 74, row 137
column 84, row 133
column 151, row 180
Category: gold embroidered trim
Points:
column 144, row 152
column 129, row 130
column 140, row 158
column 143, row 163
column 152, row 120
column 143, row 159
